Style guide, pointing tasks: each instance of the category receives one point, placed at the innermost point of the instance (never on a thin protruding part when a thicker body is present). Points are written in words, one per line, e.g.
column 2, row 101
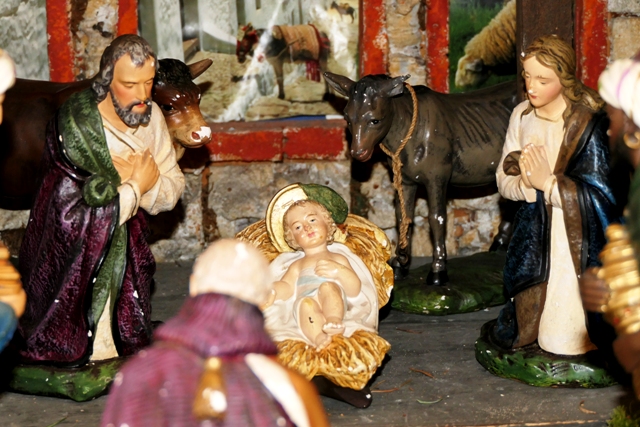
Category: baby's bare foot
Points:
column 333, row 326
column 322, row 340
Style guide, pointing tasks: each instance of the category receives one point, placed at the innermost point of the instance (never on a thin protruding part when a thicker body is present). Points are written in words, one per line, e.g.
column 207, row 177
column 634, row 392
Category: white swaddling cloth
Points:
column 361, row 311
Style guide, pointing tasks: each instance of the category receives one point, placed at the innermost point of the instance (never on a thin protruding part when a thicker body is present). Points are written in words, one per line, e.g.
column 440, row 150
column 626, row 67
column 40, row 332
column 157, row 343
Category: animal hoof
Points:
column 498, row 247
column 400, row 272
column 400, row 269
column 438, row 278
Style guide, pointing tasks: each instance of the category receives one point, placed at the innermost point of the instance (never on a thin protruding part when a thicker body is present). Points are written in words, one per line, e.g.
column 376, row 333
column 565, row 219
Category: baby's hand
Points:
column 270, row 300
column 329, row 269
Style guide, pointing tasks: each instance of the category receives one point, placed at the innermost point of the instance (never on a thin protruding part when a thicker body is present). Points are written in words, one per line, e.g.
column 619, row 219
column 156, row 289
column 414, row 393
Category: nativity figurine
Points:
column 612, row 289
column 86, row 266
column 331, row 277
column 555, row 160
column 213, row 363
column 320, row 293
column 451, row 139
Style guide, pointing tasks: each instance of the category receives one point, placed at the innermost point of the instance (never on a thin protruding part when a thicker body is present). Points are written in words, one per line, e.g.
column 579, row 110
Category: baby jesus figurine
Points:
column 321, row 281
column 322, row 289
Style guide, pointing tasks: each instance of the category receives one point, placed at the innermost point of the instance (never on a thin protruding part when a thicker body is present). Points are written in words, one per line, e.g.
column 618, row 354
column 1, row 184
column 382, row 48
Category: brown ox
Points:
column 31, row 104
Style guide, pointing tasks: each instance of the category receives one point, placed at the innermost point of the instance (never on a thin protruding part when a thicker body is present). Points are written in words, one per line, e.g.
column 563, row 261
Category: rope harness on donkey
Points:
column 397, row 170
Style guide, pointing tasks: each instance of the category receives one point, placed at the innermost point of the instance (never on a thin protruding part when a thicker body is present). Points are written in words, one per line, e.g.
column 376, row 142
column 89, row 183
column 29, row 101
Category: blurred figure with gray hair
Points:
column 12, row 296
column 7, row 76
column 213, row 364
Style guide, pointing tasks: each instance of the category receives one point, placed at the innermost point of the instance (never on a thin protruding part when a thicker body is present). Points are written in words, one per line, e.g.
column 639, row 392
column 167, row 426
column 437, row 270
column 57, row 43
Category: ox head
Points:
column 369, row 111
column 248, row 38
column 179, row 99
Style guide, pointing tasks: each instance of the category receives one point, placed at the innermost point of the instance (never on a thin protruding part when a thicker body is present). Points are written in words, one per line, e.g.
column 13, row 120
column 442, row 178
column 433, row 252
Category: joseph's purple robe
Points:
column 158, row 386
column 65, row 244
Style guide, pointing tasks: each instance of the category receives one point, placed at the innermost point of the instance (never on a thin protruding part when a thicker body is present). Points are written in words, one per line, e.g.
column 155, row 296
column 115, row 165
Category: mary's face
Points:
column 543, row 84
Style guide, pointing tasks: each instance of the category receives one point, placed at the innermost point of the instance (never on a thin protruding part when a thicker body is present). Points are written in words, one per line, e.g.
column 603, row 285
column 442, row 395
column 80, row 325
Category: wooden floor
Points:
column 457, row 391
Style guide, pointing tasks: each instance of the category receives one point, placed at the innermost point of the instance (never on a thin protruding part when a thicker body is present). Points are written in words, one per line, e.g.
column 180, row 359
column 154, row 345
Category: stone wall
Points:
column 23, row 33
column 624, row 28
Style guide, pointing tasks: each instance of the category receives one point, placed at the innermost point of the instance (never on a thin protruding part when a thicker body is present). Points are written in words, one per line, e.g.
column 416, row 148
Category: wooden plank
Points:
column 190, row 47
column 437, row 27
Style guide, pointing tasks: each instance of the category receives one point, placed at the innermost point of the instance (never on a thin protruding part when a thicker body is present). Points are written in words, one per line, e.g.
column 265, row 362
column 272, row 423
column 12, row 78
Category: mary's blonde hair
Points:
column 556, row 54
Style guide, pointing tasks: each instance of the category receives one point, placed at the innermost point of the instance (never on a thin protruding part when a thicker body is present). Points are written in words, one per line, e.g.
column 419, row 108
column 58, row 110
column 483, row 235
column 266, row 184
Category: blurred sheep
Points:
column 491, row 51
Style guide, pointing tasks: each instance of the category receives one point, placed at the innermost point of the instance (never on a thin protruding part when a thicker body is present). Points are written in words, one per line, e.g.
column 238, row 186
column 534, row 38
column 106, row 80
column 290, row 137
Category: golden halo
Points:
column 275, row 215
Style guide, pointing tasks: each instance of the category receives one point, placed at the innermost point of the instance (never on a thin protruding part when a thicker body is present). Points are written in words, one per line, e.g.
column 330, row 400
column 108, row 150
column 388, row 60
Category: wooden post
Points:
column 592, row 40
column 537, row 18
column 127, row 17
column 437, row 27
column 372, row 38
column 60, row 14
column 61, row 55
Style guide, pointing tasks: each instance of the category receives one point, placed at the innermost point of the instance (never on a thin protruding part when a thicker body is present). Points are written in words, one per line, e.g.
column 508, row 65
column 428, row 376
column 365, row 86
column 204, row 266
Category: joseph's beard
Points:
column 127, row 115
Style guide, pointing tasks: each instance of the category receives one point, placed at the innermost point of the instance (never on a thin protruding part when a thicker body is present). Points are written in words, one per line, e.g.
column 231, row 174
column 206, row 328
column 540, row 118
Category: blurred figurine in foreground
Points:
column 213, row 363
column 12, row 296
column 614, row 289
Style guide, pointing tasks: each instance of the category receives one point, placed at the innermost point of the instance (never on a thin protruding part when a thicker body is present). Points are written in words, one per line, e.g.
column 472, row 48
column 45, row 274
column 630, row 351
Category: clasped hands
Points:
column 139, row 167
column 534, row 167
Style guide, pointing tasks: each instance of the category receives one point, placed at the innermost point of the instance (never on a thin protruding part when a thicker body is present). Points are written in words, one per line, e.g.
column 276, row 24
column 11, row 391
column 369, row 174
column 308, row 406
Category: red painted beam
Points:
column 437, row 26
column 278, row 140
column 372, row 37
column 247, row 145
column 320, row 142
column 61, row 57
column 591, row 39
column 127, row 17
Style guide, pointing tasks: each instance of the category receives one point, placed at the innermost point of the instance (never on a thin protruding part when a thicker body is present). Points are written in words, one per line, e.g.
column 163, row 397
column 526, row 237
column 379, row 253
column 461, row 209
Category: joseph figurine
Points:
column 86, row 266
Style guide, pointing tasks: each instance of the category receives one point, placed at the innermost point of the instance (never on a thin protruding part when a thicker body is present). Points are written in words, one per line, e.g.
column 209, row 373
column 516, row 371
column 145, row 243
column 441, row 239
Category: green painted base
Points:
column 79, row 384
column 534, row 366
column 475, row 282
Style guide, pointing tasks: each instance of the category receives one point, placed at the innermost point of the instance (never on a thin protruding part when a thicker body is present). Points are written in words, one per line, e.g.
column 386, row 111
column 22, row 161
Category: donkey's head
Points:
column 369, row 111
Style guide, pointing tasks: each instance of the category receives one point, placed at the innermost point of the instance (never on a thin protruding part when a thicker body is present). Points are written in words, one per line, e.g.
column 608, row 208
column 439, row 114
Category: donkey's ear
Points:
column 340, row 84
column 199, row 67
column 393, row 87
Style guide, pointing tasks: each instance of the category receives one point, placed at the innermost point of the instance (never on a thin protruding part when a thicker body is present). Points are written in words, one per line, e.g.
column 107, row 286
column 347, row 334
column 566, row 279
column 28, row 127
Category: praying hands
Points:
column 534, row 167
